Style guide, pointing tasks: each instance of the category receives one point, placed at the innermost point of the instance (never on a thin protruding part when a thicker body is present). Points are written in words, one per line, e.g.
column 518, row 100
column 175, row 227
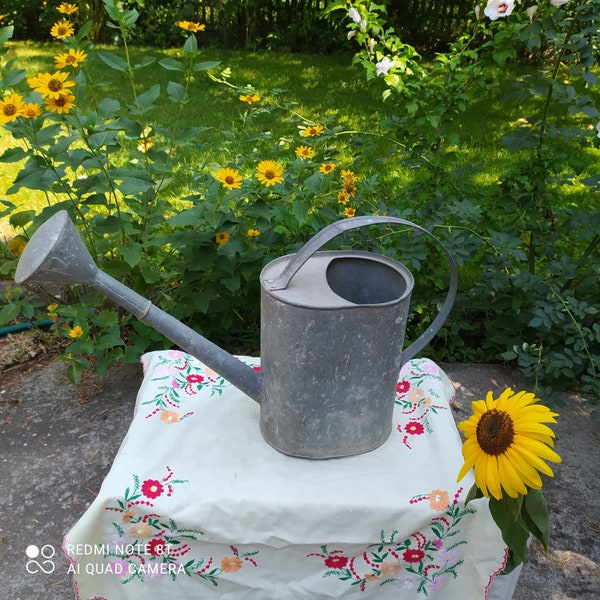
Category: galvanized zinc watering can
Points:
column 332, row 333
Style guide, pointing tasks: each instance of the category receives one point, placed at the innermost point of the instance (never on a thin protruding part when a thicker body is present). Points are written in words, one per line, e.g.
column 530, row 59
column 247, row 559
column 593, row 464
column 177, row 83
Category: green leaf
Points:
column 515, row 533
column 537, row 517
column 8, row 313
column 11, row 155
column 473, row 494
column 6, row 33
column 22, row 218
column 113, row 61
column 176, row 92
column 132, row 253
column 207, row 65
column 108, row 108
column 146, row 100
column 170, row 64
column 191, row 45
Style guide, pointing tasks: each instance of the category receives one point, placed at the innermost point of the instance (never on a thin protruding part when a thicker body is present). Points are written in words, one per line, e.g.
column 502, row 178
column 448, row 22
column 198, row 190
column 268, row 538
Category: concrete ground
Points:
column 58, row 441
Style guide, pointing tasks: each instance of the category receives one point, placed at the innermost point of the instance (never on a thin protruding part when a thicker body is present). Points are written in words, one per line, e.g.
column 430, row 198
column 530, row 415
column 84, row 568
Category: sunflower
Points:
column 312, row 131
column 304, row 152
column 230, row 178
column 76, row 332
column 62, row 29
column 507, row 443
column 222, row 237
column 51, row 86
column 144, row 144
column 62, row 104
column 190, row 26
column 10, row 108
column 343, row 197
column 327, row 168
column 349, row 212
column 253, row 232
column 72, row 58
column 269, row 172
column 67, row 9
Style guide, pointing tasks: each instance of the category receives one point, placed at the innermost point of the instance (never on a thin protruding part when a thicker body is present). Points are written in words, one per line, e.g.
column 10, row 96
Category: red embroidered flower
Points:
column 151, row 488
column 413, row 555
column 336, row 562
column 194, row 378
column 256, row 368
column 402, row 387
column 414, row 428
column 156, row 547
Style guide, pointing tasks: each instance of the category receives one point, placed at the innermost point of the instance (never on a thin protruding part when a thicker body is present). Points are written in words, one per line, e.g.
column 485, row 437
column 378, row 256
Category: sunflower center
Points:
column 9, row 110
column 60, row 101
column 55, row 85
column 269, row 174
column 495, row 432
column 230, row 180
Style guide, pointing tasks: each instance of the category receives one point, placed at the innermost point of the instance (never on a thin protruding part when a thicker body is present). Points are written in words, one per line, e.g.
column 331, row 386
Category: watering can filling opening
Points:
column 364, row 281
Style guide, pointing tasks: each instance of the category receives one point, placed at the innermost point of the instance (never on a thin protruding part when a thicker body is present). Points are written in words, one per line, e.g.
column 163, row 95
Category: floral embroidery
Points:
column 148, row 545
column 183, row 379
column 417, row 403
column 425, row 561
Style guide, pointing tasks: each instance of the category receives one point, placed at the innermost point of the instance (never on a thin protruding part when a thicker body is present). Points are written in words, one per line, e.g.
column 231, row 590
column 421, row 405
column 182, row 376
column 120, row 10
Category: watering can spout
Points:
column 56, row 254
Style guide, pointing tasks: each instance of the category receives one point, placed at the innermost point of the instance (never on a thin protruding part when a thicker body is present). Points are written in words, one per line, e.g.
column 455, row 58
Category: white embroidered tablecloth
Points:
column 198, row 505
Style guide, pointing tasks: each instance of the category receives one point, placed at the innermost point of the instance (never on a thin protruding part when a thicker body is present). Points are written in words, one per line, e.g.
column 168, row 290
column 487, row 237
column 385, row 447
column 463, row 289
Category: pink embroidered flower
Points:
column 169, row 417
column 390, row 567
column 336, row 562
column 402, row 387
column 151, row 488
column 413, row 555
column 140, row 530
column 120, row 568
column 438, row 543
column 192, row 378
column 414, row 428
column 156, row 547
column 439, row 500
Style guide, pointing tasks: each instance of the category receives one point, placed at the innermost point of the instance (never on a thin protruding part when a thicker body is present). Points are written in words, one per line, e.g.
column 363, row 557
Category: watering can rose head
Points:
column 507, row 443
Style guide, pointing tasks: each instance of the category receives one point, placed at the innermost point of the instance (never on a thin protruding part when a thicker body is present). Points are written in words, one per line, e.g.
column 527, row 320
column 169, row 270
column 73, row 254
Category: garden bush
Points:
column 194, row 237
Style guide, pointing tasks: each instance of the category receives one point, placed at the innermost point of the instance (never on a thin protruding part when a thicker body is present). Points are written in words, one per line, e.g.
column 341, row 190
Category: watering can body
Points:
column 332, row 333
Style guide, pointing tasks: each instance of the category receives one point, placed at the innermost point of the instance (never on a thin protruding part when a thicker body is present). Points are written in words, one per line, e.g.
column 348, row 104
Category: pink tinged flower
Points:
column 383, row 66
column 558, row 2
column 351, row 34
column 498, row 8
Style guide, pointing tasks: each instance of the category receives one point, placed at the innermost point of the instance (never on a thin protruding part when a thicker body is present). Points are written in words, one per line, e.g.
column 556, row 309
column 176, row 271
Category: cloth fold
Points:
column 197, row 504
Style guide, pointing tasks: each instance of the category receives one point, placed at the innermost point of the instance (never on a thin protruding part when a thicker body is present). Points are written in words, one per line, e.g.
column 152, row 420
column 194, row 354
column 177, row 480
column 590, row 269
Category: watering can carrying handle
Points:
column 335, row 229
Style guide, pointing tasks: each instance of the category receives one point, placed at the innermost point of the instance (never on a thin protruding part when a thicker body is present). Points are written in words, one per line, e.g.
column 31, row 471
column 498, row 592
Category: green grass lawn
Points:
column 322, row 88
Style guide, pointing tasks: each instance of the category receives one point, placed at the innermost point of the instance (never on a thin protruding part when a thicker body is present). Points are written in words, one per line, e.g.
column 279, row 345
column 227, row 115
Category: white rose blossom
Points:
column 498, row 8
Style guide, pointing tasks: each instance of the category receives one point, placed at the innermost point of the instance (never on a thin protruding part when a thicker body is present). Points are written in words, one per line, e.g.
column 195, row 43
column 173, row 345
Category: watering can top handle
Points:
column 335, row 229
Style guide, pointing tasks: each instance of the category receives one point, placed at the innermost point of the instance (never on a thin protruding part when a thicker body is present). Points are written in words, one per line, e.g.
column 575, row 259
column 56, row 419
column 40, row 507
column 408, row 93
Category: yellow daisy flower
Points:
column 10, row 108
column 31, row 110
column 348, row 176
column 62, row 29
column 230, row 178
column 312, row 131
column 253, row 232
column 349, row 212
column 144, row 144
column 507, row 443
column 63, row 104
column 250, row 99
column 343, row 197
column 269, row 172
column 304, row 152
column 190, row 26
column 67, row 9
column 17, row 244
column 327, row 168
column 222, row 237
column 76, row 332
column 72, row 58
column 51, row 86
